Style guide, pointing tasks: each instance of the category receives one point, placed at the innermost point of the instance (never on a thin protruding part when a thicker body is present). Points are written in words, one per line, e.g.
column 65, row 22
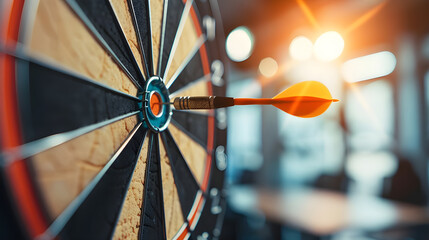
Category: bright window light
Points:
column 328, row 46
column 301, row 48
column 239, row 44
column 268, row 67
column 368, row 67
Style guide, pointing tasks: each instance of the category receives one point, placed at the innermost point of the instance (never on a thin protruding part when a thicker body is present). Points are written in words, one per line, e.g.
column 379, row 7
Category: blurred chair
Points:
column 405, row 185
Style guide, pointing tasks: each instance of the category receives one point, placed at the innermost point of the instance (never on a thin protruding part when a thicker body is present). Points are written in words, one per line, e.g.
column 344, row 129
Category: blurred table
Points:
column 322, row 212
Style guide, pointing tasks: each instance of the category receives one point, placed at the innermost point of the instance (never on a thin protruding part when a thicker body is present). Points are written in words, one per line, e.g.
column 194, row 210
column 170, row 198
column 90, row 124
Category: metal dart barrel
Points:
column 207, row 102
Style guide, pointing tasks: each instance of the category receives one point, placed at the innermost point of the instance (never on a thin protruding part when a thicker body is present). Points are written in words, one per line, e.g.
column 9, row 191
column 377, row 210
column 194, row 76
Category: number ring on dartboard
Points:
column 88, row 150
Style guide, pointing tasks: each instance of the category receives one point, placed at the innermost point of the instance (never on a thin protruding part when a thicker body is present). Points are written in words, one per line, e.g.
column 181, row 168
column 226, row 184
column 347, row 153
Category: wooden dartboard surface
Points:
column 82, row 157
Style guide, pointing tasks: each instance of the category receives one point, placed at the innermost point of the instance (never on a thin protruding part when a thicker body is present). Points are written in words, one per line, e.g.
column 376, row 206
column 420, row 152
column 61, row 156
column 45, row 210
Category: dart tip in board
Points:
column 164, row 103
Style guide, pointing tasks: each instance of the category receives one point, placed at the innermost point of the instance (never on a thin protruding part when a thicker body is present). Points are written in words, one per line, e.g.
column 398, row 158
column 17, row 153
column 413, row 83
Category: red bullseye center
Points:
column 155, row 103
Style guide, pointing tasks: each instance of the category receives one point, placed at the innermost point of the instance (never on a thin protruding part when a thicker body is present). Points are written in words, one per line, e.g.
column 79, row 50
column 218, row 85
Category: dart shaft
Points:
column 270, row 101
column 253, row 101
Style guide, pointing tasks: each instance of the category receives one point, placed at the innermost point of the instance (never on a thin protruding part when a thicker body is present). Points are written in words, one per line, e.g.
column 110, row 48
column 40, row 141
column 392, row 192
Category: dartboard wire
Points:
column 112, row 188
column 153, row 192
column 27, row 21
column 149, row 12
column 189, row 134
column 129, row 47
column 192, row 218
column 190, row 193
column 32, row 148
column 19, row 54
column 133, row 59
column 185, row 182
column 195, row 213
column 58, row 224
column 145, row 138
column 76, row 8
column 145, row 68
column 161, row 44
column 200, row 41
column 191, row 84
column 177, row 36
column 183, row 228
column 197, row 112
column 149, row 70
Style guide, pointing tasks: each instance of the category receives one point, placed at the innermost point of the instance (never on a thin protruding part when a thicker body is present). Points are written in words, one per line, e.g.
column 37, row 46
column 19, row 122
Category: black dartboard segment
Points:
column 215, row 198
column 54, row 101
column 9, row 224
column 194, row 124
column 215, row 205
column 152, row 222
column 170, row 26
column 141, row 18
column 102, row 17
column 192, row 72
column 187, row 186
column 96, row 217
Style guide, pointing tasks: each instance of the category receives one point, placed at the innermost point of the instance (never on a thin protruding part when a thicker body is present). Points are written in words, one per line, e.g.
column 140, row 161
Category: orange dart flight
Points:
column 306, row 99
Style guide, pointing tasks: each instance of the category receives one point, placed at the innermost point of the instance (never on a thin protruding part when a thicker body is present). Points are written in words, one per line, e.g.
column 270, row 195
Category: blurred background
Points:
column 359, row 171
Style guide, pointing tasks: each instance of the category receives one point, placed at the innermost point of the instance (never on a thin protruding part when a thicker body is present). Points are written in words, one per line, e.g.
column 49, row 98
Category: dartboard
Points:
column 90, row 147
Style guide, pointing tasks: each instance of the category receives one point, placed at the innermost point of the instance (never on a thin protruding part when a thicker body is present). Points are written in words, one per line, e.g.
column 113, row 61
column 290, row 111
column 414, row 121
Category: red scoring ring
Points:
column 199, row 201
column 16, row 173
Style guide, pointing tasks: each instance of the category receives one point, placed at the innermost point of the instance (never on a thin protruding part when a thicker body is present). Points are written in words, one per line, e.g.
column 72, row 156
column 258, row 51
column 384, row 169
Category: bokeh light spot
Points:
column 329, row 46
column 368, row 67
column 301, row 48
column 239, row 44
column 268, row 67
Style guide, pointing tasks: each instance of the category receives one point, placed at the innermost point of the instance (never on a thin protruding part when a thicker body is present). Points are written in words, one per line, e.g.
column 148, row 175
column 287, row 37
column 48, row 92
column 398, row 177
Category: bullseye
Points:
column 156, row 115
column 154, row 103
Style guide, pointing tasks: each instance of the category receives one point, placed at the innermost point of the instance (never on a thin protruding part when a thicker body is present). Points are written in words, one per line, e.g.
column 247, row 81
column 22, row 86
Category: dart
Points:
column 306, row 99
